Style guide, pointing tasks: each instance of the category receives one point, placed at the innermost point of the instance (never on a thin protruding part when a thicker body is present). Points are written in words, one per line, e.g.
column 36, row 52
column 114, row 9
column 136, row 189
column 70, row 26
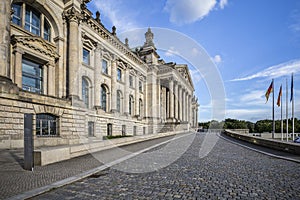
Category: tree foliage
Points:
column 260, row 126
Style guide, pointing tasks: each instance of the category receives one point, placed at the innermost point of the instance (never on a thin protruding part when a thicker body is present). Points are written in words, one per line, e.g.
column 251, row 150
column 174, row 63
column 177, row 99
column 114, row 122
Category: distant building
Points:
column 79, row 80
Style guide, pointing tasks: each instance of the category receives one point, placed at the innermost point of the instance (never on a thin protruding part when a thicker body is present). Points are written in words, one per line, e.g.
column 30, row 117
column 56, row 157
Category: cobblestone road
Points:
column 228, row 172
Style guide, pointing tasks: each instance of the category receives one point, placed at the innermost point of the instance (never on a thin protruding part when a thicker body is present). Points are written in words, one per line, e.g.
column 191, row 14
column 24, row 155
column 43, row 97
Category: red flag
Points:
column 270, row 89
column 279, row 96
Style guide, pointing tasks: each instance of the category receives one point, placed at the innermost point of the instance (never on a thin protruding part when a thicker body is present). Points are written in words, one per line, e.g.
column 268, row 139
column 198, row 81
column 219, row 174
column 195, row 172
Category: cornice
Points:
column 36, row 43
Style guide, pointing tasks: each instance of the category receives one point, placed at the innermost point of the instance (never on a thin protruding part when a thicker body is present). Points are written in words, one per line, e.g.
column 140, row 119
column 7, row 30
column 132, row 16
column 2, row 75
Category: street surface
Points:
column 228, row 171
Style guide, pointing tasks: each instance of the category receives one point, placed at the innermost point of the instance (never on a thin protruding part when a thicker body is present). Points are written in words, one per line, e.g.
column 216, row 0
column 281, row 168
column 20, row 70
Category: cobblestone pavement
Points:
column 15, row 180
column 228, row 172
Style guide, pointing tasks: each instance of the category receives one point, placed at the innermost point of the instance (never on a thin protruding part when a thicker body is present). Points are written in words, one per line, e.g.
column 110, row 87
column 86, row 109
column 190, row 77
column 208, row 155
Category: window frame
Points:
column 31, row 26
column 131, row 106
column 27, row 22
column 130, row 81
column 17, row 18
column 140, row 86
column 48, row 120
column 104, row 70
column 86, row 57
column 119, row 74
column 85, row 92
column 38, row 77
column 103, row 98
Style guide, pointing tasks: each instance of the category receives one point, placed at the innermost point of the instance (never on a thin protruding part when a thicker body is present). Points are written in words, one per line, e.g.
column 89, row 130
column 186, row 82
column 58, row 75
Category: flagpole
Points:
column 287, row 111
column 292, row 97
column 281, row 114
column 273, row 133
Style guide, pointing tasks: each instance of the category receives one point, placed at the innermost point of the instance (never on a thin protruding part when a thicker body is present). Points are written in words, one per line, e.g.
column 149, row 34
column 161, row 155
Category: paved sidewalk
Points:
column 15, row 180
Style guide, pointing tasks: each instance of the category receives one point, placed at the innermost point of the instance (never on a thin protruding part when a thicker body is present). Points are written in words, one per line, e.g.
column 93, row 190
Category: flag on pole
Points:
column 279, row 96
column 270, row 89
column 292, row 87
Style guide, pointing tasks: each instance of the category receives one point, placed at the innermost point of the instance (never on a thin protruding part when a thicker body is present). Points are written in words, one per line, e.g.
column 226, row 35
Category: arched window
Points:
column 103, row 97
column 119, row 96
column 46, row 125
column 130, row 105
column 85, row 92
column 33, row 20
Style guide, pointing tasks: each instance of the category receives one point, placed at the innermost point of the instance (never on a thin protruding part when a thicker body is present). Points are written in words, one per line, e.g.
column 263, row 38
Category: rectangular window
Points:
column 32, row 79
column 140, row 86
column 130, row 81
column 16, row 19
column 86, row 56
column 91, row 129
column 123, row 130
column 46, row 125
column 104, row 67
column 119, row 74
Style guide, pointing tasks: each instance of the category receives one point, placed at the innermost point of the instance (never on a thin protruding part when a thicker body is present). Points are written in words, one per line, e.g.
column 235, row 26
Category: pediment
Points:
column 184, row 72
column 37, row 44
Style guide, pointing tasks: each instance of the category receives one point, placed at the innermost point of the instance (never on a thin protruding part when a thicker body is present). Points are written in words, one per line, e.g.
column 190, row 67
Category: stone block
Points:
column 45, row 156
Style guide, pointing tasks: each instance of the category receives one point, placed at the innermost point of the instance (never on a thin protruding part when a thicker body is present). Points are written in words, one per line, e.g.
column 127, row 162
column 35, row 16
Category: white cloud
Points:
column 171, row 52
column 255, row 97
column 245, row 114
column 223, row 3
column 295, row 25
column 189, row 11
column 195, row 52
column 196, row 76
column 275, row 71
column 217, row 59
column 119, row 16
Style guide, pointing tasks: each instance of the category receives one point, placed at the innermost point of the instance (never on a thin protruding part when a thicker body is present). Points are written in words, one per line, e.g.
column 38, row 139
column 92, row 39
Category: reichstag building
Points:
column 78, row 80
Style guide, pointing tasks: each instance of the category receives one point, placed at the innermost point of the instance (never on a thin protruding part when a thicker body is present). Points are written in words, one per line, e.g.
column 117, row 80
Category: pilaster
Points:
column 18, row 53
column 5, row 16
column 126, row 93
column 136, row 96
column 97, row 75
column 113, row 85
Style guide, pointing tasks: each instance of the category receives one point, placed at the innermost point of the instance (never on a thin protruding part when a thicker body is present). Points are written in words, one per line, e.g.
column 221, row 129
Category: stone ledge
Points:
column 269, row 143
column 48, row 155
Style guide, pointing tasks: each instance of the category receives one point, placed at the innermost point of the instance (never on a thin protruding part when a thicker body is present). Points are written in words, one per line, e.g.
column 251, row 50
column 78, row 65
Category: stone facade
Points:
column 80, row 81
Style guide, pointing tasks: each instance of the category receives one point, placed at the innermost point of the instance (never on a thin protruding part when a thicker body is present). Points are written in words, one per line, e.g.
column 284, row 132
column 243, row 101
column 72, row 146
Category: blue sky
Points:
column 249, row 42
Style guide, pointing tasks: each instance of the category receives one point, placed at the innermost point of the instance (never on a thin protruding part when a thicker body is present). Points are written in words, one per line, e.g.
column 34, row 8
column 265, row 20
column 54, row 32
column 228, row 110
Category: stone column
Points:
column 196, row 117
column 136, row 94
column 179, row 103
column 126, row 92
column 187, row 106
column 171, row 98
column 182, row 104
column 163, row 103
column 18, row 53
column 73, row 17
column 113, row 84
column 176, row 99
column 191, row 109
column 60, row 72
column 5, row 16
column 97, row 75
column 158, row 102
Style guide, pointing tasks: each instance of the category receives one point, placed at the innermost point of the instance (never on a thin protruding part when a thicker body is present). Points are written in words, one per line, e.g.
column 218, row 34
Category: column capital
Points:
column 72, row 15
